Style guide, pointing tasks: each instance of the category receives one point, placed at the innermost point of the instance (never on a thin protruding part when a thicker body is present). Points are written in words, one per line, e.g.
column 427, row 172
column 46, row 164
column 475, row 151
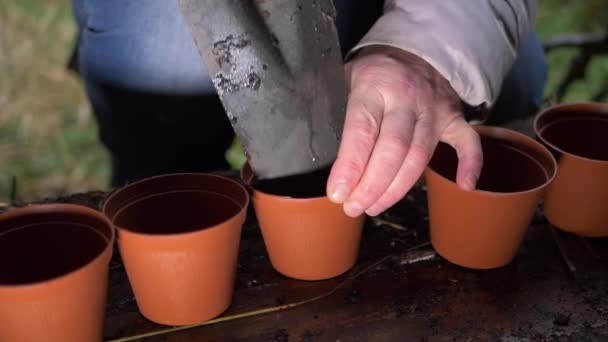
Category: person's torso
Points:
column 147, row 45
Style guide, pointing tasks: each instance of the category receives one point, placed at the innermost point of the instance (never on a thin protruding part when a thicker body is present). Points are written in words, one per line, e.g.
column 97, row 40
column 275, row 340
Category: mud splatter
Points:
column 224, row 84
column 274, row 40
column 252, row 81
column 222, row 49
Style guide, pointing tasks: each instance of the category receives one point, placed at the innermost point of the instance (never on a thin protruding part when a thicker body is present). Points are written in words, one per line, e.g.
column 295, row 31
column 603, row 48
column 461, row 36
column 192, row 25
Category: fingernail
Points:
column 470, row 181
column 353, row 209
column 340, row 193
column 372, row 212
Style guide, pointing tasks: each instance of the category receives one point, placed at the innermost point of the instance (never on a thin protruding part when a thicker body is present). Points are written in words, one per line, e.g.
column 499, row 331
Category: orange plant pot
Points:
column 54, row 262
column 578, row 135
column 306, row 238
column 484, row 228
column 179, row 238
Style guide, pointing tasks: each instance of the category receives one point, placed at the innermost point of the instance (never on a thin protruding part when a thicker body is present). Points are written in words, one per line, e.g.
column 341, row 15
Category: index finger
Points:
column 361, row 127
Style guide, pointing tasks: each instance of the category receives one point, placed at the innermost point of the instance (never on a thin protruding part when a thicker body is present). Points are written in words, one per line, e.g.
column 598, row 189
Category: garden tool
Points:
column 277, row 68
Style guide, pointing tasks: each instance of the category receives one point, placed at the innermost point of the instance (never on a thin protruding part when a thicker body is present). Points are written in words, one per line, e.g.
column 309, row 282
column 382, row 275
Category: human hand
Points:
column 399, row 108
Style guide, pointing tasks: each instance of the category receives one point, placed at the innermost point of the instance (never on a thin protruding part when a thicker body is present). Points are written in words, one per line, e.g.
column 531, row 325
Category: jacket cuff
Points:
column 472, row 44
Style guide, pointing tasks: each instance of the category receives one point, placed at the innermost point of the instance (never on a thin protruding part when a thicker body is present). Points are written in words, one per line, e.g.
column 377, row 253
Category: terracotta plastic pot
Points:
column 484, row 228
column 578, row 135
column 53, row 273
column 179, row 237
column 307, row 237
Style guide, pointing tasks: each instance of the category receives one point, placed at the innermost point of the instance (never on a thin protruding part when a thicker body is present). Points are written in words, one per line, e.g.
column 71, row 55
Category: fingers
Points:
column 460, row 135
column 387, row 141
column 386, row 160
column 418, row 155
column 361, row 128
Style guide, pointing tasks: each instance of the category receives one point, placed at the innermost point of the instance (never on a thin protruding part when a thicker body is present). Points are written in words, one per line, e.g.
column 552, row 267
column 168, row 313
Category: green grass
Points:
column 569, row 16
column 48, row 137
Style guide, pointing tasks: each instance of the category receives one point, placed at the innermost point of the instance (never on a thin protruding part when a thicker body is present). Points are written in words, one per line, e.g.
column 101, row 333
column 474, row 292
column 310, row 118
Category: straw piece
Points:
column 562, row 250
column 380, row 222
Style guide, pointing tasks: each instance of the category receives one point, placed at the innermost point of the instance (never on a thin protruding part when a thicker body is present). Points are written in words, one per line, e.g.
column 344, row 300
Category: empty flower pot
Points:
column 179, row 236
column 54, row 262
column 306, row 235
column 484, row 228
column 578, row 135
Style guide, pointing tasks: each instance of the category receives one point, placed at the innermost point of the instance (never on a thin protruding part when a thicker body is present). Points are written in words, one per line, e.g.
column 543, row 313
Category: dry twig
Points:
column 562, row 250
column 380, row 222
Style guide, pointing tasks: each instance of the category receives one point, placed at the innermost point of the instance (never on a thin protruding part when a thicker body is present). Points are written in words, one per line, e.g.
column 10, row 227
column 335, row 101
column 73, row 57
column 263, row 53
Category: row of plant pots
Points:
column 179, row 234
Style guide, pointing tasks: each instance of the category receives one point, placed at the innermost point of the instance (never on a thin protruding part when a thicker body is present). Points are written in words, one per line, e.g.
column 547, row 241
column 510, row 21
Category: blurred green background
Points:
column 48, row 138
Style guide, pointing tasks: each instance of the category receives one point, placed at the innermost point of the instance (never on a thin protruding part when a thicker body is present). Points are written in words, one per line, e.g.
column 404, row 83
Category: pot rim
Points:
column 595, row 108
column 505, row 132
column 67, row 208
column 170, row 175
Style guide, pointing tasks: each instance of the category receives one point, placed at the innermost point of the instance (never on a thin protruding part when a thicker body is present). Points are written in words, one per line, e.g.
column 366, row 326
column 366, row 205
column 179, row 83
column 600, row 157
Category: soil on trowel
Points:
column 307, row 185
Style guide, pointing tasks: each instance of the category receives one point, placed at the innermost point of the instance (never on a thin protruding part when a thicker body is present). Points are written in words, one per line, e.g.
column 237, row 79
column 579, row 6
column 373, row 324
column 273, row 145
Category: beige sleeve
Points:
column 472, row 43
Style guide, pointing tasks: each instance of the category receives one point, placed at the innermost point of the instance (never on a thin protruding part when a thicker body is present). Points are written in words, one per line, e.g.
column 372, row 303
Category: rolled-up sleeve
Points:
column 472, row 43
